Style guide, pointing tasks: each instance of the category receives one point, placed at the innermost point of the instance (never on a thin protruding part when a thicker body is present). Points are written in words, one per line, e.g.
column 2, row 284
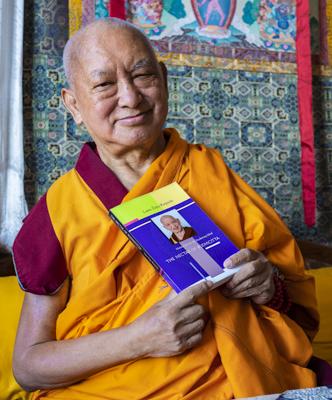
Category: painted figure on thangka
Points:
column 203, row 26
column 248, row 24
column 252, row 24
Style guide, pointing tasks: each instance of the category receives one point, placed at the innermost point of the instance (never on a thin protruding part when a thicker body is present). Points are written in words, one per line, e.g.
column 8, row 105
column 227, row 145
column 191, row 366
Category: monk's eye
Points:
column 138, row 76
column 144, row 77
column 104, row 85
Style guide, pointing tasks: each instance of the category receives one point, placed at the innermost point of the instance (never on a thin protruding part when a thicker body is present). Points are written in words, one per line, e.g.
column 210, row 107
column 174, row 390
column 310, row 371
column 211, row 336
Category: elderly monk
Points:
column 98, row 322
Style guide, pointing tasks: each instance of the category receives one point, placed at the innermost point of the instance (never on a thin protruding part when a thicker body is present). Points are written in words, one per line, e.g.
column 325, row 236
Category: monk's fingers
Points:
column 174, row 325
column 252, row 288
column 190, row 295
column 192, row 328
column 241, row 257
column 193, row 340
column 169, row 297
column 257, row 271
column 183, row 345
column 182, row 334
column 192, row 313
column 192, row 334
column 263, row 297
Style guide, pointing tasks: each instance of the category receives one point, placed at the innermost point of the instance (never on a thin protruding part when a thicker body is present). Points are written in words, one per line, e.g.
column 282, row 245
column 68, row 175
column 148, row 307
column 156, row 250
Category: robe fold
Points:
column 246, row 350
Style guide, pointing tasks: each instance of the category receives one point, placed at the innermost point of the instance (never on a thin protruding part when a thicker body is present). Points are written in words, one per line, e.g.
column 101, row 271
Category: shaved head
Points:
column 77, row 45
column 164, row 218
column 117, row 87
column 171, row 223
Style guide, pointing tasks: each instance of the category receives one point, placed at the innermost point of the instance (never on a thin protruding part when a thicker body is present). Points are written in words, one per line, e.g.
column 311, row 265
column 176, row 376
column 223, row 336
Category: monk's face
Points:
column 120, row 89
column 172, row 224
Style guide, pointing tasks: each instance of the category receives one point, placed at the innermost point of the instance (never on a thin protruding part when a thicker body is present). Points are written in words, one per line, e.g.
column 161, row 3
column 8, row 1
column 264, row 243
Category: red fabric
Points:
column 281, row 300
column 303, row 56
column 101, row 180
column 117, row 9
column 39, row 261
column 41, row 268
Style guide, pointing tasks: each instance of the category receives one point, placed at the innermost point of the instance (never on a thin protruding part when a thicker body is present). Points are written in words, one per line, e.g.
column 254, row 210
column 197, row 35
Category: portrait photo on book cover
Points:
column 174, row 226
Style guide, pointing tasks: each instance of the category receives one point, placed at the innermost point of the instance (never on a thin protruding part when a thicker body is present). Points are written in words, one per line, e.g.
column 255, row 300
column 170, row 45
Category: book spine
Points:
column 130, row 236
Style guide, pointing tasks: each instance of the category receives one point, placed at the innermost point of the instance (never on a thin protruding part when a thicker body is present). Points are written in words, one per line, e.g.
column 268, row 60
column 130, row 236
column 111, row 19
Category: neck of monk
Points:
column 129, row 165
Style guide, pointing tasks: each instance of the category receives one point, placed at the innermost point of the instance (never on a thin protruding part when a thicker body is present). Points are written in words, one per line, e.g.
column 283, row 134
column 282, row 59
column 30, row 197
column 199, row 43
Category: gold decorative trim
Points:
column 74, row 16
column 322, row 70
column 329, row 29
column 227, row 63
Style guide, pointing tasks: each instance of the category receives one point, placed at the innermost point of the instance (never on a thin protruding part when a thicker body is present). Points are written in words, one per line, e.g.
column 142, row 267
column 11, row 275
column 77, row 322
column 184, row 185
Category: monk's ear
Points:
column 70, row 102
column 164, row 74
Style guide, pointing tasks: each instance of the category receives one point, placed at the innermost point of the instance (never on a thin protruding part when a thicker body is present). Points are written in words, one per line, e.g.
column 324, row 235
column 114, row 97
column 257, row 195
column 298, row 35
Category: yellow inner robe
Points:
column 247, row 349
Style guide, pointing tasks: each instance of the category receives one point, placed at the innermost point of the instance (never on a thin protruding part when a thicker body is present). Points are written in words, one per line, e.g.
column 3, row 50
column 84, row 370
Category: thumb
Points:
column 189, row 295
column 171, row 295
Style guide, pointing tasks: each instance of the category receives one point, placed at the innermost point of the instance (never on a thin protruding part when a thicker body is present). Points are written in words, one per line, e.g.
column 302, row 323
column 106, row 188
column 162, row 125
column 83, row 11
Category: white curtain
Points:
column 12, row 202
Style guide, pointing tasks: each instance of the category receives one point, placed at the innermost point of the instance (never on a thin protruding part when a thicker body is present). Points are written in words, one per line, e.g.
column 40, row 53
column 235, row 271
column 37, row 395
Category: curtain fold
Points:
column 12, row 202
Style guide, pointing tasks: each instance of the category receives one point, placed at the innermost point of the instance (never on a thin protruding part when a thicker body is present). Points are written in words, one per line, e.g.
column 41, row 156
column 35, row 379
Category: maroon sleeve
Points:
column 39, row 261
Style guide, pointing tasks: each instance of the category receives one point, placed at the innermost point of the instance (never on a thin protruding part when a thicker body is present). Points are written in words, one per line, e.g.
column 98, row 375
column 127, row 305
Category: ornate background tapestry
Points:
column 233, row 85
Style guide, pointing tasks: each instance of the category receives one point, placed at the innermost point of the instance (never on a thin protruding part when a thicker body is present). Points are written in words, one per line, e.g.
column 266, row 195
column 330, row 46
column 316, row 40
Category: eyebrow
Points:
column 98, row 73
column 144, row 62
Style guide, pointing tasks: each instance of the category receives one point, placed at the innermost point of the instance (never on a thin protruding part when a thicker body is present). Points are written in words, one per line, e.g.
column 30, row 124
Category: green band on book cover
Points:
column 150, row 203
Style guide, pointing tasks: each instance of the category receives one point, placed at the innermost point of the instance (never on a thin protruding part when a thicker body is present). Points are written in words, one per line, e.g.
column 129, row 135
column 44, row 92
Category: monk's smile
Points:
column 136, row 119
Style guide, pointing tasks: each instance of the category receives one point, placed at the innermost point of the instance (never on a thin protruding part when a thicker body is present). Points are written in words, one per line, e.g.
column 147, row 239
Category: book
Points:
column 179, row 239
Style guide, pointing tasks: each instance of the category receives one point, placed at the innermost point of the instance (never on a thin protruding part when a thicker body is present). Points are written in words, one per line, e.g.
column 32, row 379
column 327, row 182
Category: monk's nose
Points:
column 128, row 95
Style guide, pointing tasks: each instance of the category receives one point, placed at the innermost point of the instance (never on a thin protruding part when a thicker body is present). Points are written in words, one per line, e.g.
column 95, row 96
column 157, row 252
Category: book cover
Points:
column 176, row 236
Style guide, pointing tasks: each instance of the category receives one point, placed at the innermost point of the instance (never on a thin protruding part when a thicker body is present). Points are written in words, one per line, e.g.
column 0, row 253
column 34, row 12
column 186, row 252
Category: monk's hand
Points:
column 254, row 280
column 173, row 325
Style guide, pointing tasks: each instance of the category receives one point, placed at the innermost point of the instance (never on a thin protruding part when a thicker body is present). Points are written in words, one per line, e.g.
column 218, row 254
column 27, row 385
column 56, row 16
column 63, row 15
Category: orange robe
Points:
column 247, row 349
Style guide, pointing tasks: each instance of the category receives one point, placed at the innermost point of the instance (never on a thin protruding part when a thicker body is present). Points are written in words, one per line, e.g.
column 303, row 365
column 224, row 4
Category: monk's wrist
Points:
column 280, row 301
column 137, row 345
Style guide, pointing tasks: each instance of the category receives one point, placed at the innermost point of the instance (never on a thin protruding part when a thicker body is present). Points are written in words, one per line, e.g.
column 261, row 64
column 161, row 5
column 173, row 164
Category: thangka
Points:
column 241, row 35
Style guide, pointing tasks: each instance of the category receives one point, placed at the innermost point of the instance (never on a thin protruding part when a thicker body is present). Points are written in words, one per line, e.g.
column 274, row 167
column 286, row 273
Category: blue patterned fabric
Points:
column 251, row 117
column 320, row 393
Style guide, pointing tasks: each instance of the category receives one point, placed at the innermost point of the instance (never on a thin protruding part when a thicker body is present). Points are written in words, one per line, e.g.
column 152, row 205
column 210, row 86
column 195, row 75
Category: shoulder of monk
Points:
column 65, row 182
column 62, row 187
column 200, row 149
